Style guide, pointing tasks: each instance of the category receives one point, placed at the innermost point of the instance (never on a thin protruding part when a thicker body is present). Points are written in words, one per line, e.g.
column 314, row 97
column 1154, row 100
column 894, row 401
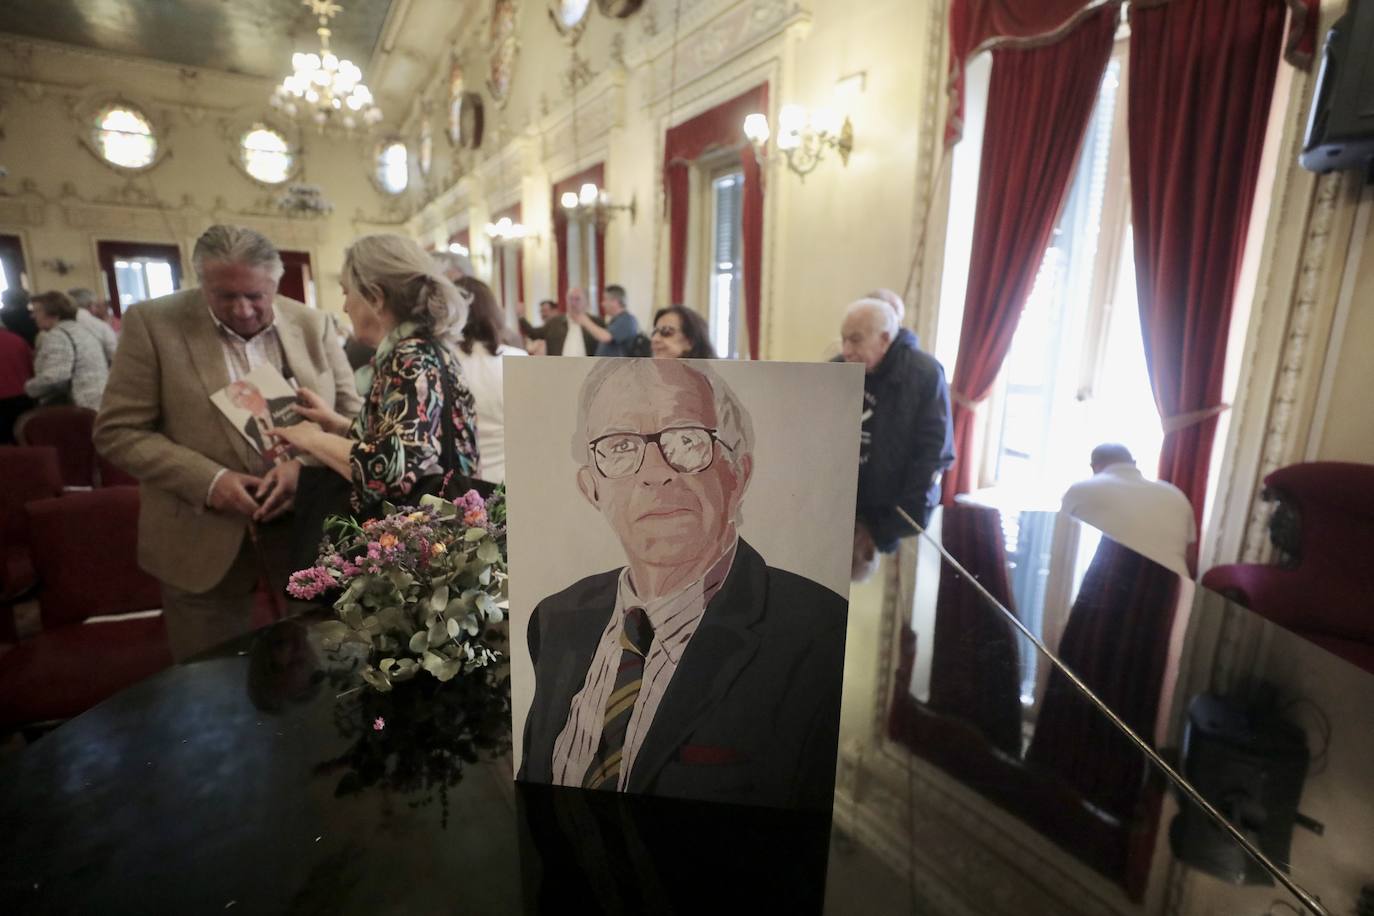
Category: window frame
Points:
column 375, row 172
column 92, row 117
column 705, row 173
column 240, row 157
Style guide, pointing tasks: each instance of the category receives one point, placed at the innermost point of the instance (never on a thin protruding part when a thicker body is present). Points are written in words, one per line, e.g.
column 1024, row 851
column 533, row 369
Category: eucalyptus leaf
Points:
column 484, row 576
column 419, row 642
column 472, row 535
column 386, row 664
column 433, row 663
column 439, row 600
column 454, row 628
column 377, row 679
column 488, row 552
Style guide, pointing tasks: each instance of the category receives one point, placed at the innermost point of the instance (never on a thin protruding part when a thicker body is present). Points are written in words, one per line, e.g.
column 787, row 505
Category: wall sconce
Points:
column 455, row 248
column 59, row 266
column 593, row 203
column 507, row 230
column 803, row 136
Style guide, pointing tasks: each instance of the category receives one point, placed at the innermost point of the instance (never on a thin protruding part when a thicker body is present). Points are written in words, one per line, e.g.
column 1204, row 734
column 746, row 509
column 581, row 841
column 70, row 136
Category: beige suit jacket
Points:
column 157, row 423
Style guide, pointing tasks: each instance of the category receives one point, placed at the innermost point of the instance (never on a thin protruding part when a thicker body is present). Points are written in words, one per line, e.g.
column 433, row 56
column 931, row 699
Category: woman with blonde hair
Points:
column 416, row 429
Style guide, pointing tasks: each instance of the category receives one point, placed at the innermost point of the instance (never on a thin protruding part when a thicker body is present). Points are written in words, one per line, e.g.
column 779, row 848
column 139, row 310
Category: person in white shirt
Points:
column 479, row 354
column 1151, row 517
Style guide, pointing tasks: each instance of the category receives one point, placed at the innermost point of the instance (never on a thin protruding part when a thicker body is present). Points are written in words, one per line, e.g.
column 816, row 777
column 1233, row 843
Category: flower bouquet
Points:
column 417, row 589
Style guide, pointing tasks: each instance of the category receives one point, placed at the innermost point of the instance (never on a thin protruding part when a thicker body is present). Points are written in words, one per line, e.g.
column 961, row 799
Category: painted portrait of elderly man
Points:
column 695, row 669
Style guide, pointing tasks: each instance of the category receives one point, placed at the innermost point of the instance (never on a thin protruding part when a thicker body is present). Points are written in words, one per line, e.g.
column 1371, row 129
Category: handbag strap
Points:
column 76, row 353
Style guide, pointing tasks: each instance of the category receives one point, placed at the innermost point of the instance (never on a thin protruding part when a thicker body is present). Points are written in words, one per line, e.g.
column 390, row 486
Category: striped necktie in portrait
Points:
column 636, row 636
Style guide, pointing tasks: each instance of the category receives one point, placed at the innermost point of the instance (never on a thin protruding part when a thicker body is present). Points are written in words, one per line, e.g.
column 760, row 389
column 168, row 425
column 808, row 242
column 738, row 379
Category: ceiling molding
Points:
column 22, row 47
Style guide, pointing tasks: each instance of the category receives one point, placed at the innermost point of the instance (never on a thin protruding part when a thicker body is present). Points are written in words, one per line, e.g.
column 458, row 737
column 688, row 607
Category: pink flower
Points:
column 308, row 584
column 378, row 724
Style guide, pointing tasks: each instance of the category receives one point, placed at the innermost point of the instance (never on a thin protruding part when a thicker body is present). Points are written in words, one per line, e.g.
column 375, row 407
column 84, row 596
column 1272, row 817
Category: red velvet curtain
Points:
column 1201, row 79
column 975, row 23
column 1039, row 104
column 597, row 176
column 1117, row 640
column 721, row 127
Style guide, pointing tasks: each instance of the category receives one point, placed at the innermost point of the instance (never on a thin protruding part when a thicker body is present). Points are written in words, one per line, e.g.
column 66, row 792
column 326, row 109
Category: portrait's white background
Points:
column 798, row 510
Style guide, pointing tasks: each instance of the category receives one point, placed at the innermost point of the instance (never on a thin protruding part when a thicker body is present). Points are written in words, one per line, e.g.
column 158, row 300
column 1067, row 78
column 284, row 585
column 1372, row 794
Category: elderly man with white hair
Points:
column 907, row 439
column 696, row 670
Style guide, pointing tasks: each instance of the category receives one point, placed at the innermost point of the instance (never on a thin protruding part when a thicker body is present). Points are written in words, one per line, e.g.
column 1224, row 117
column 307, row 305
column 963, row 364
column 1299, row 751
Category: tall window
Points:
column 727, row 263
column 582, row 244
column 266, row 155
column 124, row 137
column 142, row 278
column 1075, row 375
column 393, row 167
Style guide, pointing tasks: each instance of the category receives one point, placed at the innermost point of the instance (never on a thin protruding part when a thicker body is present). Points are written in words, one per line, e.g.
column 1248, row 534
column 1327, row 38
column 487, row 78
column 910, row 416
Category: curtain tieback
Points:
column 959, row 398
column 1184, row 420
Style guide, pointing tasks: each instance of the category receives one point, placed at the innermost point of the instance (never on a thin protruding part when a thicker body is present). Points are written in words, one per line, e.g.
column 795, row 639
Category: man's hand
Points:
column 314, row 408
column 277, row 492
column 233, row 492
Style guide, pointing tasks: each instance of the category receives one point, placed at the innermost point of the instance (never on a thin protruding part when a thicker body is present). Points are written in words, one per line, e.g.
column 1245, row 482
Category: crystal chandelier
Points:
column 323, row 88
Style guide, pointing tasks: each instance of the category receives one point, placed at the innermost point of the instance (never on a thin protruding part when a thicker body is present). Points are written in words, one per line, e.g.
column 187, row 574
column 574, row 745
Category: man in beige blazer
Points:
column 211, row 524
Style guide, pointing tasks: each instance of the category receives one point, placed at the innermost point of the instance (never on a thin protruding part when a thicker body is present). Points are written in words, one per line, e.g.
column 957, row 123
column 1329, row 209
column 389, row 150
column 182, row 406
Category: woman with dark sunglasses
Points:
column 680, row 333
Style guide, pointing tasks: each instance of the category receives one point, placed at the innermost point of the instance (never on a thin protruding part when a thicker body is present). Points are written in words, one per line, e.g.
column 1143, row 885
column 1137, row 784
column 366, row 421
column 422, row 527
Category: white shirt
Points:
column 1151, row 517
column 483, row 375
column 574, row 344
column 675, row 619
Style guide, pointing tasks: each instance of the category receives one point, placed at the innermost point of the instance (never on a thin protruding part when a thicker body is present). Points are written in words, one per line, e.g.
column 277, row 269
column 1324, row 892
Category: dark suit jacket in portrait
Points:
column 751, row 714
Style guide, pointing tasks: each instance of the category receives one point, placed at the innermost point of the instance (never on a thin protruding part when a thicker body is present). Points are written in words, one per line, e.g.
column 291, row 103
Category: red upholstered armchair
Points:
column 26, row 474
column 84, row 547
column 67, row 429
column 1321, row 587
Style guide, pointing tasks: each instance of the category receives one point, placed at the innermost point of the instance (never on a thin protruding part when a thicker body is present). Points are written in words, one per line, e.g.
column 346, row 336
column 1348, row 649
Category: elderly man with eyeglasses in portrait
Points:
column 696, row 670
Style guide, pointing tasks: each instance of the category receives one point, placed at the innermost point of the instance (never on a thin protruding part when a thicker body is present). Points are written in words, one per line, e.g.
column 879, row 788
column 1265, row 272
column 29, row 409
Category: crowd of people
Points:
column 409, row 402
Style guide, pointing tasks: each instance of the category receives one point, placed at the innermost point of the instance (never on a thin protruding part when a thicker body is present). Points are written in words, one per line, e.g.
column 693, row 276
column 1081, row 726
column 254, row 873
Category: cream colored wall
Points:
column 61, row 198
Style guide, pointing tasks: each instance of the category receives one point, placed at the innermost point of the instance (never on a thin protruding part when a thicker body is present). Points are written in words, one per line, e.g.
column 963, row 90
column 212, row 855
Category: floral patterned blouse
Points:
column 398, row 432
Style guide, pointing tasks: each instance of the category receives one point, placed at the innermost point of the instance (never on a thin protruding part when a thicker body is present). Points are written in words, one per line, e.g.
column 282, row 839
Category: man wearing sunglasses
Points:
column 696, row 670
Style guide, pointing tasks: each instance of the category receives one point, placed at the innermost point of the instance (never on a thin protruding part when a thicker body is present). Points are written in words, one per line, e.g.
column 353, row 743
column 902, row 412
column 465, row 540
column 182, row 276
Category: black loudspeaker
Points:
column 1340, row 128
column 1250, row 764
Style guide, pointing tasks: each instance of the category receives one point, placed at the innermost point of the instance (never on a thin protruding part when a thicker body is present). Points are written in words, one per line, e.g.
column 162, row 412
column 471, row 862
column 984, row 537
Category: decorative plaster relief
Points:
column 1279, row 439
column 707, row 42
column 27, row 208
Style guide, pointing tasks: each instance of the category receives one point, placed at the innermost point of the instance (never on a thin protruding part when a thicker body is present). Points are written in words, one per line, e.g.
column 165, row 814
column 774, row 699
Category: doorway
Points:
column 134, row 271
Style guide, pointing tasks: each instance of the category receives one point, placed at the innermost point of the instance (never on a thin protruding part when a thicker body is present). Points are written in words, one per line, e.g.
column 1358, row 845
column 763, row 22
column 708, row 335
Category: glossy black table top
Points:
column 236, row 782
column 255, row 780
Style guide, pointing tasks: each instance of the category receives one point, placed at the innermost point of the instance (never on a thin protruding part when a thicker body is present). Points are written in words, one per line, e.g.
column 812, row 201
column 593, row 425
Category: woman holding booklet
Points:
column 416, row 429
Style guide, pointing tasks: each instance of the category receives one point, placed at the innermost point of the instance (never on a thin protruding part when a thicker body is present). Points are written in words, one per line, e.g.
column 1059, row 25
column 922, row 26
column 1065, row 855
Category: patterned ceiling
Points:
column 251, row 37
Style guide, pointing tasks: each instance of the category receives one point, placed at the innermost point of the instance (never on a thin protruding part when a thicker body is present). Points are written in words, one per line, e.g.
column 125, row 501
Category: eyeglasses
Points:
column 685, row 449
column 666, row 331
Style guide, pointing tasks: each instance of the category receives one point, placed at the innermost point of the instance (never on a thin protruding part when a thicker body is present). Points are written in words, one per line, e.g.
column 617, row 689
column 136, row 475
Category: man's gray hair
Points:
column 83, row 297
column 235, row 245
column 734, row 428
column 882, row 317
column 453, row 261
